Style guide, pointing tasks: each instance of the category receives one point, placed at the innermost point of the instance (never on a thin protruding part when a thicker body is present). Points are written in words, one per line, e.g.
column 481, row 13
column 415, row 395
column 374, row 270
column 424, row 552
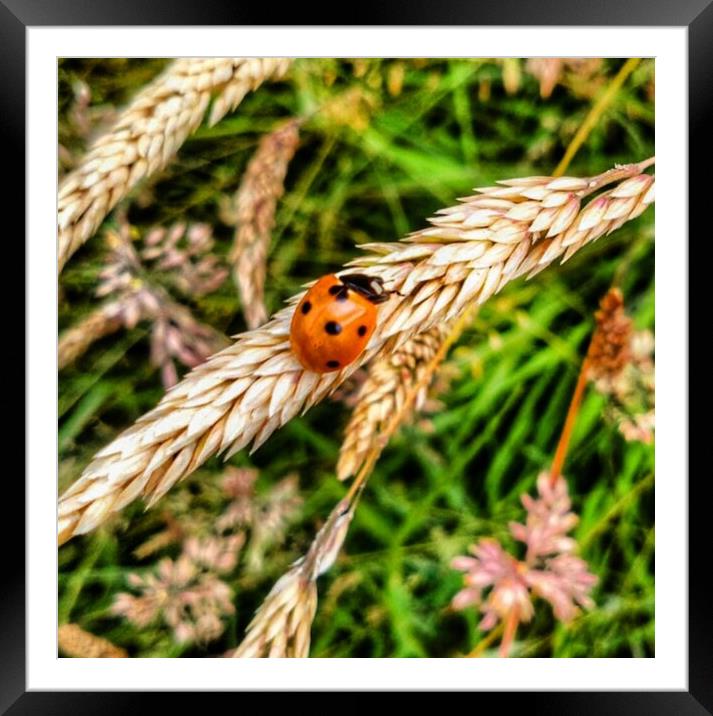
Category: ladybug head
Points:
column 371, row 287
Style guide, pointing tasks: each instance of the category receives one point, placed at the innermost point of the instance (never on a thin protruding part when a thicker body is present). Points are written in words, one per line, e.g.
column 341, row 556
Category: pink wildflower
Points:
column 549, row 570
column 185, row 593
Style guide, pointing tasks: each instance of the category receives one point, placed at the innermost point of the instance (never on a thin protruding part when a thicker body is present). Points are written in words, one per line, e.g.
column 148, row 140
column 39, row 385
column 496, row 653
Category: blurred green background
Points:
column 385, row 144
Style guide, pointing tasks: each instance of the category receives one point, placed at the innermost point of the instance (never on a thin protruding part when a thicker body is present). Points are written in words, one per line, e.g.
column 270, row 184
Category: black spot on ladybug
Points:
column 332, row 364
column 333, row 328
column 306, row 307
column 361, row 330
column 334, row 290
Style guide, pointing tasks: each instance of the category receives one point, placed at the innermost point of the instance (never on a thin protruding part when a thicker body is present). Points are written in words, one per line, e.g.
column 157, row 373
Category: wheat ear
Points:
column 76, row 340
column 148, row 133
column 384, row 393
column 282, row 624
column 76, row 642
column 275, row 631
column 255, row 202
column 244, row 392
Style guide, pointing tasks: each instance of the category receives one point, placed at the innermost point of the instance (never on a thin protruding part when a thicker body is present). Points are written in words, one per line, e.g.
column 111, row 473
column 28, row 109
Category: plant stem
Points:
column 511, row 624
column 76, row 582
column 595, row 113
column 483, row 644
column 563, row 444
column 578, row 140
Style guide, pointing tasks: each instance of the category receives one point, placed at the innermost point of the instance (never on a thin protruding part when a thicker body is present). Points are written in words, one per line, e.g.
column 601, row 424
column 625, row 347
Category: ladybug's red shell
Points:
column 332, row 325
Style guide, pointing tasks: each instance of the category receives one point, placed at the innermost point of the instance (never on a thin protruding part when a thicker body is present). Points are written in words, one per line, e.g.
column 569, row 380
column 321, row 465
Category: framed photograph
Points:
column 352, row 338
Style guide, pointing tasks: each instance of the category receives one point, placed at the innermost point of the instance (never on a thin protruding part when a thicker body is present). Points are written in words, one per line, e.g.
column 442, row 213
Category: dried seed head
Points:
column 103, row 321
column 256, row 201
column 81, row 644
column 148, row 133
column 632, row 390
column 549, row 71
column 610, row 349
column 246, row 391
column 282, row 625
column 383, row 393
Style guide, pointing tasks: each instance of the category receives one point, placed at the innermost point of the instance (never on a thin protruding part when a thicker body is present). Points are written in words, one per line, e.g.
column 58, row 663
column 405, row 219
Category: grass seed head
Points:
column 610, row 349
column 282, row 624
column 383, row 393
column 148, row 133
column 243, row 393
column 81, row 644
column 255, row 202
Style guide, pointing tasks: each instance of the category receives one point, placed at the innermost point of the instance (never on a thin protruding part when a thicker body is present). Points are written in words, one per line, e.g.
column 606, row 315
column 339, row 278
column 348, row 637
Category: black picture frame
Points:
column 696, row 15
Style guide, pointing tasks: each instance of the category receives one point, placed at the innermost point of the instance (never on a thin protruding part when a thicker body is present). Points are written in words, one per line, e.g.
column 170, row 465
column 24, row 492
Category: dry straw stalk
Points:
column 243, row 393
column 255, row 204
column 148, row 133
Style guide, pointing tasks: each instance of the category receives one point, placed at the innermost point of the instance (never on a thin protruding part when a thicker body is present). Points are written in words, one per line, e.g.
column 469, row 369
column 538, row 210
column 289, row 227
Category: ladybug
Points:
column 334, row 320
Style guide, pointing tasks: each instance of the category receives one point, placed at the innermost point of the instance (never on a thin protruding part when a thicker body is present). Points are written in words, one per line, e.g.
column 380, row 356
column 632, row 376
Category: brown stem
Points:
column 563, row 444
column 511, row 624
column 621, row 172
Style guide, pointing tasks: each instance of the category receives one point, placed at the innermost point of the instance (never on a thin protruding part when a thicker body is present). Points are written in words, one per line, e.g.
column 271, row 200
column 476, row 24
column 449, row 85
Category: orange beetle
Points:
column 334, row 320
